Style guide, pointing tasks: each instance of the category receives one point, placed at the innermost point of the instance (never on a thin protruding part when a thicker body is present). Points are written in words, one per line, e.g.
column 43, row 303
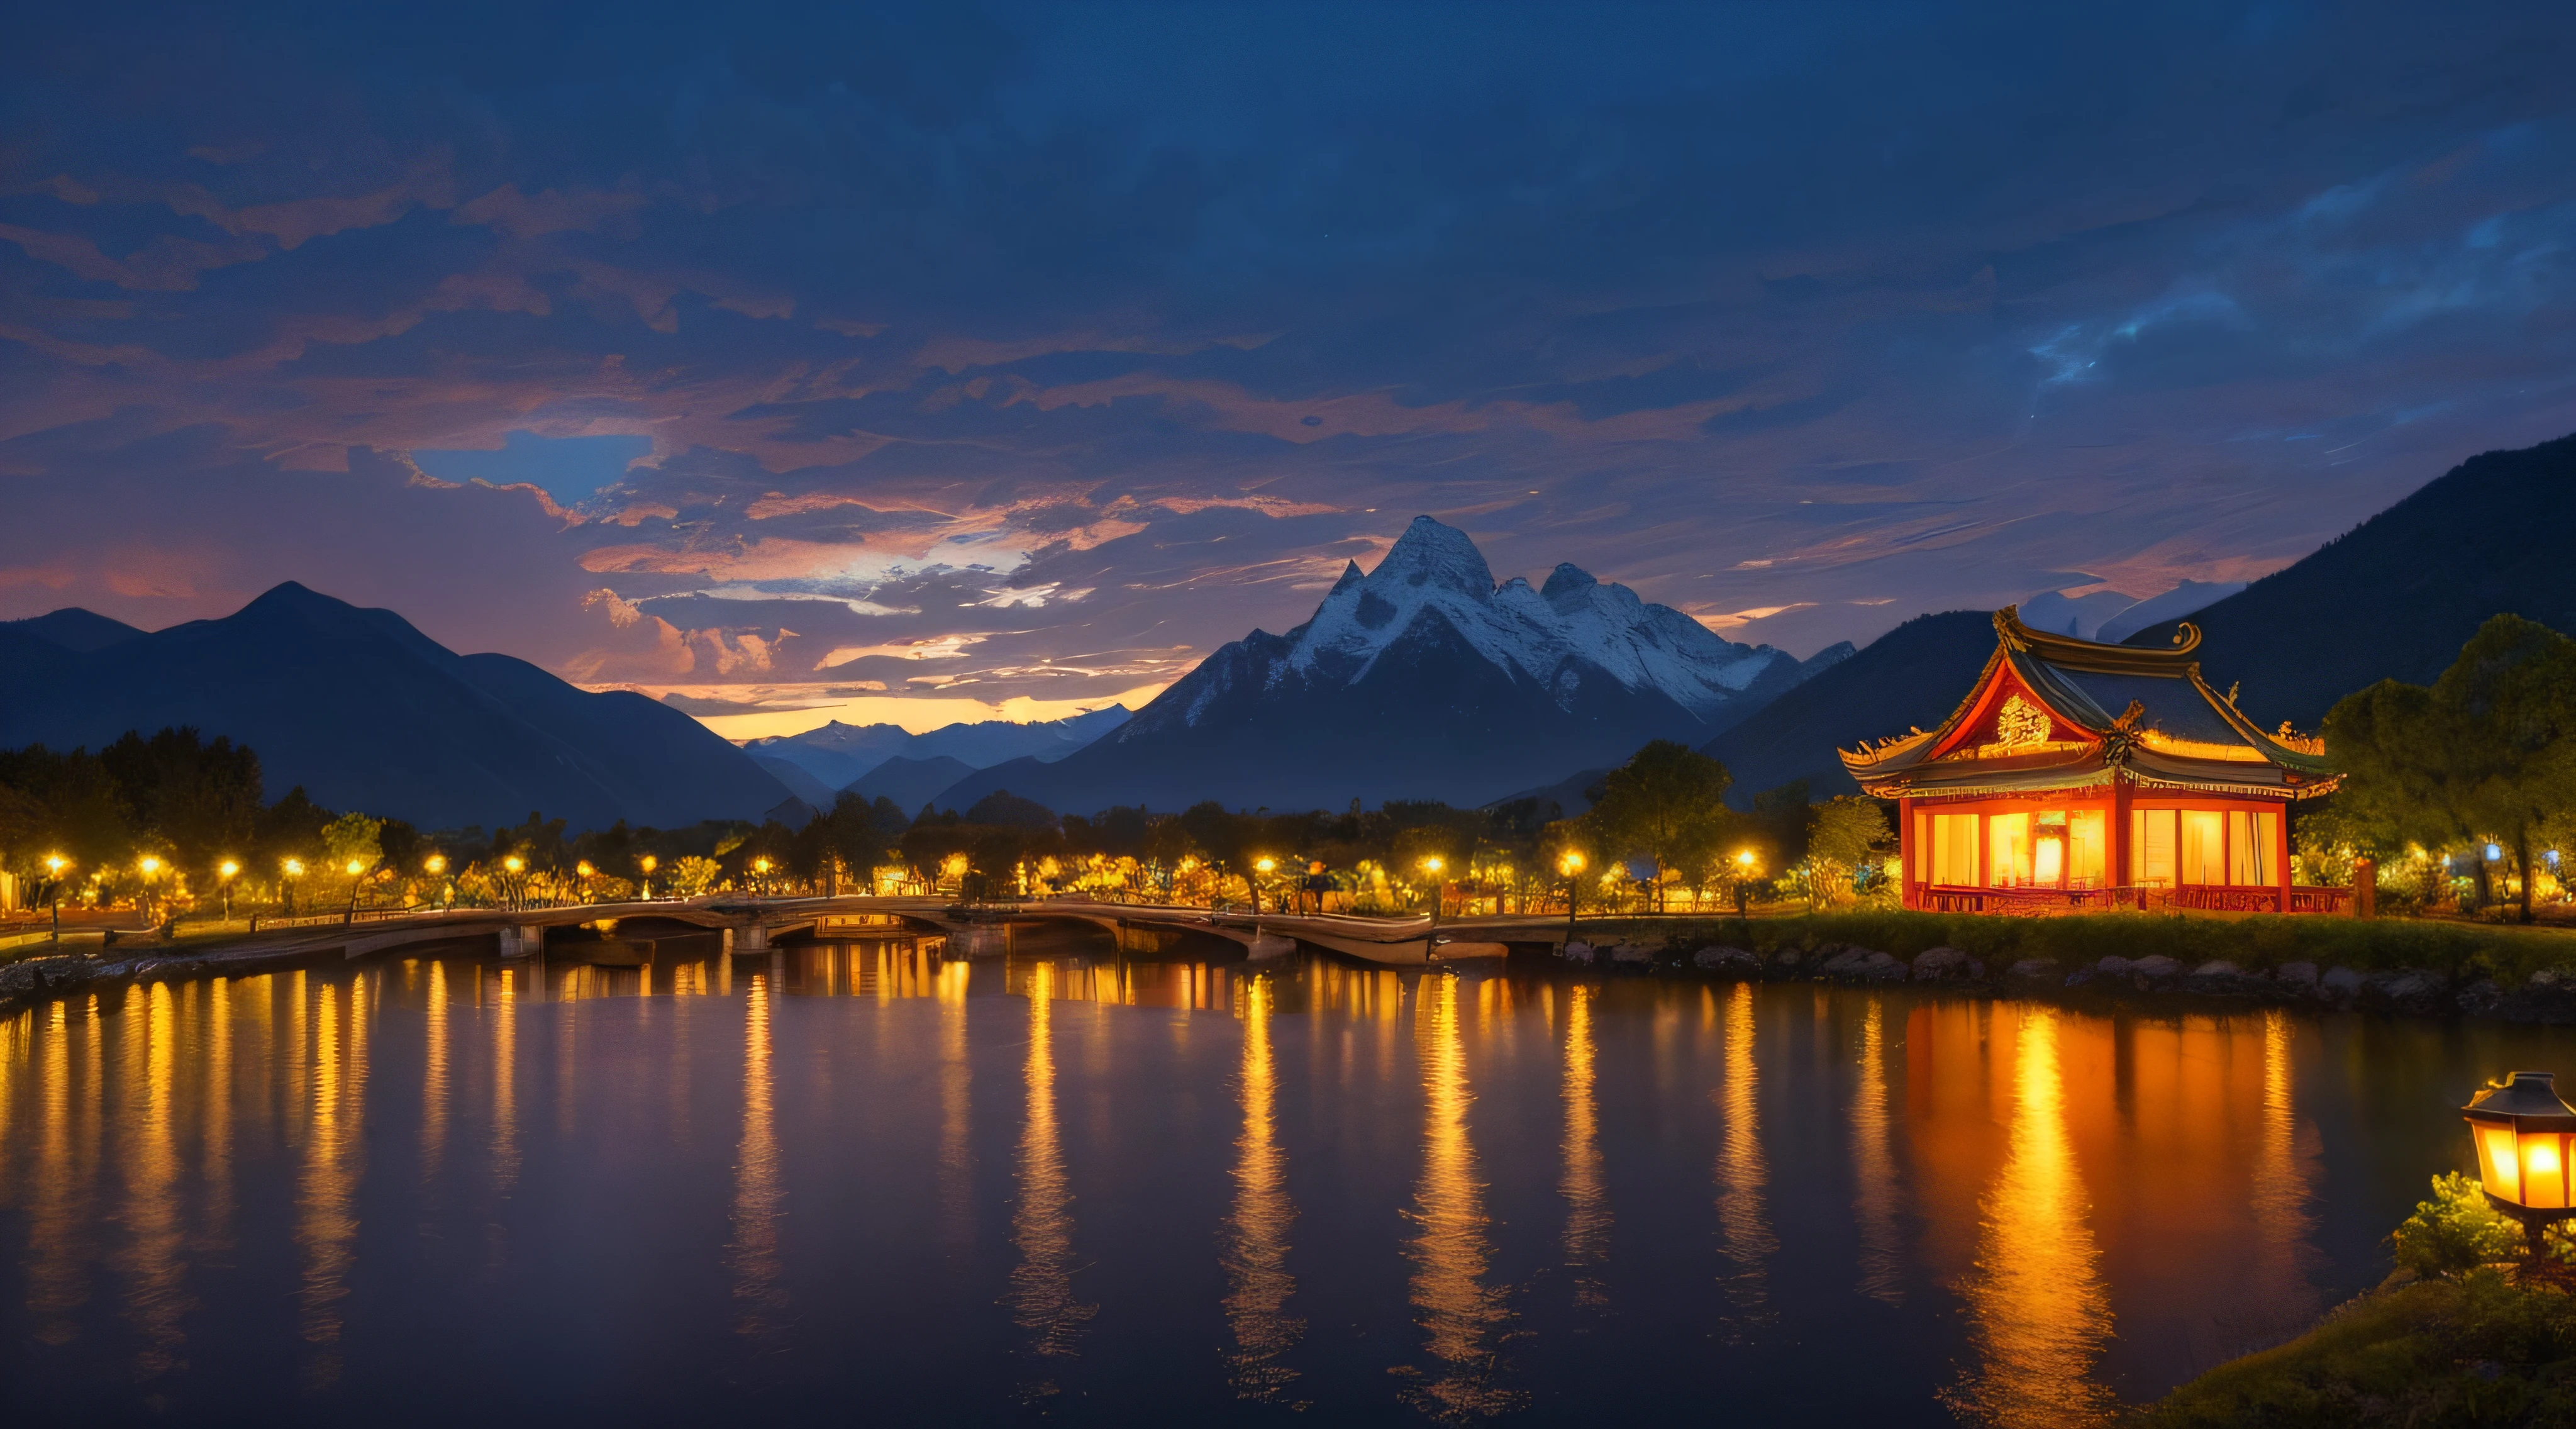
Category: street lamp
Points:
column 224, row 874
column 2524, row 1136
column 150, row 867
column 54, row 865
column 436, row 867
column 1433, row 866
column 514, row 865
column 1262, row 866
column 1572, row 867
column 648, row 863
column 294, row 869
column 1743, row 880
column 585, row 871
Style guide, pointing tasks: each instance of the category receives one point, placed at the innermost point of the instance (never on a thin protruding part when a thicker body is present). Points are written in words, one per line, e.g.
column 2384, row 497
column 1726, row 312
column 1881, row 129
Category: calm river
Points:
column 850, row 1180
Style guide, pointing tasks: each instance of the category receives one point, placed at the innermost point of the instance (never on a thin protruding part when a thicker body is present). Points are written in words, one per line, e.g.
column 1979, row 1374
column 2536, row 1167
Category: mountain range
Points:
column 2394, row 598
column 365, row 712
column 1419, row 679
column 836, row 755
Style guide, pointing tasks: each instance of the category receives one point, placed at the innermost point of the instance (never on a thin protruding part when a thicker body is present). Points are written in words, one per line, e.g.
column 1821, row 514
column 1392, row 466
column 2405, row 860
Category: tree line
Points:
column 180, row 821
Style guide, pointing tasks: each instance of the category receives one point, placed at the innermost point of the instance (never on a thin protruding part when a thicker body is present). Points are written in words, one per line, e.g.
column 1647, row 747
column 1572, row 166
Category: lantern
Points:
column 2524, row 1136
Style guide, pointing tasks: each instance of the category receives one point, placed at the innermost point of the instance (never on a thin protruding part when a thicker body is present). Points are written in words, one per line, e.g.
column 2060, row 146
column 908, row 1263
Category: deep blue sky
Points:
column 1062, row 344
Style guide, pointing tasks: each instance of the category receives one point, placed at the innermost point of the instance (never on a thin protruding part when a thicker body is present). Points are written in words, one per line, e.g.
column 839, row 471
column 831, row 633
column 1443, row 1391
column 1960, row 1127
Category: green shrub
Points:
column 2455, row 1232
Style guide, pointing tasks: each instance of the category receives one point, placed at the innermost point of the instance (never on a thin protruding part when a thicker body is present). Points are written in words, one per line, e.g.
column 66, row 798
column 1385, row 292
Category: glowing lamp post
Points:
column 1744, row 871
column 514, row 865
column 436, row 867
column 150, row 868
column 1433, row 866
column 1261, row 867
column 648, row 863
column 54, row 865
column 587, row 872
column 225, row 873
column 293, row 869
column 2525, row 1136
column 1572, row 867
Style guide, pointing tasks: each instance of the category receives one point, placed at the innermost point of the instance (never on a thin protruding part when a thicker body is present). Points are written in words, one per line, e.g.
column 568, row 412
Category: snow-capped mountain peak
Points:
column 1550, row 637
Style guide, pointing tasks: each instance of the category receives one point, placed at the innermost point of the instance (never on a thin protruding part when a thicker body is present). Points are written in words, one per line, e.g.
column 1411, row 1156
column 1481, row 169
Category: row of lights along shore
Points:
column 290, row 869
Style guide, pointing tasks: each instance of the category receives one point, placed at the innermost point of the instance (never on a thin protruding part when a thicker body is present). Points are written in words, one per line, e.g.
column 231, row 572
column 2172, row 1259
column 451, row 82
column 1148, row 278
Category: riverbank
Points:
column 2434, row 969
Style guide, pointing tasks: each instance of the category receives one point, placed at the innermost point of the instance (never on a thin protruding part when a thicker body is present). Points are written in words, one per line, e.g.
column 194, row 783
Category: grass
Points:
column 2466, row 950
column 2479, row 1350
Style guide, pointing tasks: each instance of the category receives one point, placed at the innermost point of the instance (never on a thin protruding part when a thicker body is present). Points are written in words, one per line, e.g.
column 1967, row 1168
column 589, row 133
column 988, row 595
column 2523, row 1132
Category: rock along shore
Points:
column 2545, row 997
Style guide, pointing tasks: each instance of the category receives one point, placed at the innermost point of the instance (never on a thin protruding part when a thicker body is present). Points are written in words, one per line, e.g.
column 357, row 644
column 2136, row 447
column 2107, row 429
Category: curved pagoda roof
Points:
column 2052, row 712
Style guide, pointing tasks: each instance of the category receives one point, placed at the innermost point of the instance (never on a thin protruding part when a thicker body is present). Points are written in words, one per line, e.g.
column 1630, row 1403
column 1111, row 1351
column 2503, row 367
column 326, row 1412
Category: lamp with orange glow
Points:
column 2524, row 1136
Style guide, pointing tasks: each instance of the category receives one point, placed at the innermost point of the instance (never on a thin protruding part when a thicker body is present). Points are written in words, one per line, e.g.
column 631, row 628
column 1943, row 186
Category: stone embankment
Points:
column 65, row 975
column 2548, row 996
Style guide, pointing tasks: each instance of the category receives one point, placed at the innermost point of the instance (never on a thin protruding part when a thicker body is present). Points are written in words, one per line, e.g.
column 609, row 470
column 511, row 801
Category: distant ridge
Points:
column 367, row 713
column 74, row 629
column 911, row 783
column 1912, row 675
column 837, row 754
column 2398, row 595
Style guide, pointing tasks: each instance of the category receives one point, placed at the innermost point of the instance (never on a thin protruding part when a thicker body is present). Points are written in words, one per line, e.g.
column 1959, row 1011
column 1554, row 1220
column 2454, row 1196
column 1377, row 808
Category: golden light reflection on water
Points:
column 1256, row 1262
column 1587, row 1213
column 760, row 1297
column 128, row 1124
column 1460, row 1315
column 1874, row 1197
column 505, row 1083
column 326, row 1193
column 154, row 1267
column 956, row 1091
column 2039, row 1317
column 1041, row 1290
column 1745, row 1244
column 2284, row 1230
column 56, row 1219
column 216, row 1087
column 433, row 1080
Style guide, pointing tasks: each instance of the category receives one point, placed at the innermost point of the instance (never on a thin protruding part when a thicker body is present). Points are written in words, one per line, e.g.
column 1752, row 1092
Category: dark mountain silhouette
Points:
column 911, row 782
column 75, row 629
column 835, row 755
column 2397, row 596
column 1422, row 679
column 2394, row 598
column 367, row 713
column 1912, row 675
column 812, row 791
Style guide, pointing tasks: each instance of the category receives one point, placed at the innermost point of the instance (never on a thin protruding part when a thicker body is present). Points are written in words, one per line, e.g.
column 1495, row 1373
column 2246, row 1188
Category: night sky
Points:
column 882, row 362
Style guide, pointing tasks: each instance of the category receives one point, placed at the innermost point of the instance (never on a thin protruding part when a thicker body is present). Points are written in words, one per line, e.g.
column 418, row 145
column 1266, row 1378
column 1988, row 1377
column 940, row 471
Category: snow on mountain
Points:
column 1547, row 636
column 1419, row 679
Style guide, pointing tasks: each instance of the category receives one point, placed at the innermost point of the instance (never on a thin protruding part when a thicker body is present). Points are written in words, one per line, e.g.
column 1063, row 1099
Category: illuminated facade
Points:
column 2085, row 776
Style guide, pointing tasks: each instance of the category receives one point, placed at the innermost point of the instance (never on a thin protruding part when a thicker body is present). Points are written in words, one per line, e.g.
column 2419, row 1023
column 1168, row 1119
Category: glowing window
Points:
column 2008, row 850
column 2151, row 848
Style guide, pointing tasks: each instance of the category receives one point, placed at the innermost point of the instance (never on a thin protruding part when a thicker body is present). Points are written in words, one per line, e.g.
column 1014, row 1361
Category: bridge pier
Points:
column 752, row 939
column 1263, row 946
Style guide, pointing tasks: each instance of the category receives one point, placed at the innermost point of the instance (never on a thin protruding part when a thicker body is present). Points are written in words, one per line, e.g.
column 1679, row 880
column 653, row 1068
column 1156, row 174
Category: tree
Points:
column 2489, row 752
column 1668, row 804
column 1844, row 834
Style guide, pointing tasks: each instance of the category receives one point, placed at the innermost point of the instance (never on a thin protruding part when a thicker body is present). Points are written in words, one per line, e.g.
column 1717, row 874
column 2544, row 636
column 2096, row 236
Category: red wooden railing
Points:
column 2212, row 898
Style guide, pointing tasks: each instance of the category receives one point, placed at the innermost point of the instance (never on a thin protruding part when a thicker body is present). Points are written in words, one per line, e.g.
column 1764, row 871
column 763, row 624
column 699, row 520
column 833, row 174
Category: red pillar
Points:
column 1906, row 849
column 2117, row 875
column 2281, row 853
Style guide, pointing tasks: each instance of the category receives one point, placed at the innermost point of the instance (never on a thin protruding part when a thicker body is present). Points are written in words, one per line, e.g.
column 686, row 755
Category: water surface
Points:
column 853, row 1178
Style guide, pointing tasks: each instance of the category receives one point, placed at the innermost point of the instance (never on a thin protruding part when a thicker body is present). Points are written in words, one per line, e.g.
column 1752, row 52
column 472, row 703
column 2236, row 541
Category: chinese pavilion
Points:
column 2079, row 776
